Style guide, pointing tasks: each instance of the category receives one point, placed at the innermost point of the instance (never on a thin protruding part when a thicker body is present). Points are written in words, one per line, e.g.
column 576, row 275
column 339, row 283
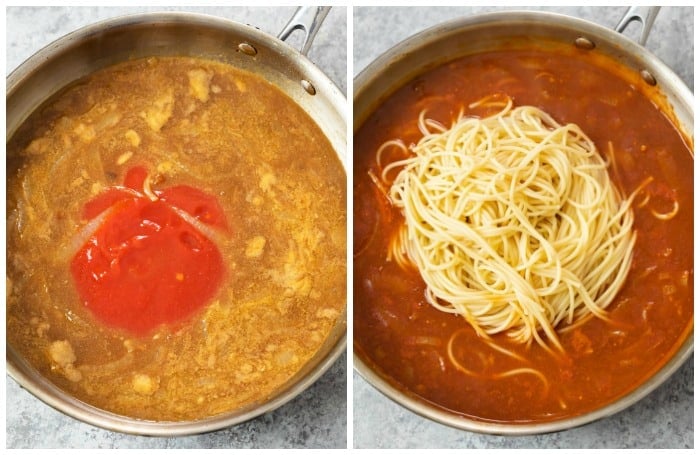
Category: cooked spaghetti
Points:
column 512, row 221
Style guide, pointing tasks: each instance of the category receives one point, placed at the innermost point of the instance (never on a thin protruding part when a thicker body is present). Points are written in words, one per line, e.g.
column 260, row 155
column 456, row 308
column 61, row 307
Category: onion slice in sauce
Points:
column 82, row 236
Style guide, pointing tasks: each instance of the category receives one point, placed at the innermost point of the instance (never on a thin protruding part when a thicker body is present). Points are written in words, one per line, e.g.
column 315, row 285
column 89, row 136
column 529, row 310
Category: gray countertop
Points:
column 664, row 419
column 316, row 418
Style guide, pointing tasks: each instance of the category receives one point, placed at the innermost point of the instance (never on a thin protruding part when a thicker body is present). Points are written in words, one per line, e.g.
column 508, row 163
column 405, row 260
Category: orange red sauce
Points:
column 145, row 265
column 405, row 339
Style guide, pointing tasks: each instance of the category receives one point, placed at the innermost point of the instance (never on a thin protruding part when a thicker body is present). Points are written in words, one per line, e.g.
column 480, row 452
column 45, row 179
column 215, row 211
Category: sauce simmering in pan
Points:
column 176, row 239
column 405, row 339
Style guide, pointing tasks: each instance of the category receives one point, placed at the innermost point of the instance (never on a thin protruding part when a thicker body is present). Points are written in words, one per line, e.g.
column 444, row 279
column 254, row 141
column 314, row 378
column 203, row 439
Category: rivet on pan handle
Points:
column 307, row 19
column 643, row 14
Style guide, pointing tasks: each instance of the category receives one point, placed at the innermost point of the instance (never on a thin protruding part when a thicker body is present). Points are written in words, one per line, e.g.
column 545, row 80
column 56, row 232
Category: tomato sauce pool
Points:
column 404, row 339
column 146, row 263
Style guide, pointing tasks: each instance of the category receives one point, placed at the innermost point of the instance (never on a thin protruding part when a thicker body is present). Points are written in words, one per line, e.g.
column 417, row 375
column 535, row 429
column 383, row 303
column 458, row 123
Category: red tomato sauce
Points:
column 145, row 265
column 404, row 339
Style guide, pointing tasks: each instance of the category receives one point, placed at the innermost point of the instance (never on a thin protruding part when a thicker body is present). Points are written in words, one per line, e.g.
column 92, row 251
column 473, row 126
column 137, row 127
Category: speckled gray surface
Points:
column 318, row 417
column 664, row 419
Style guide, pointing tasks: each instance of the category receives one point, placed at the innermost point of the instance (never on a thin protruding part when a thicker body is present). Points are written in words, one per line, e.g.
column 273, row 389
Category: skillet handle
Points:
column 643, row 14
column 307, row 19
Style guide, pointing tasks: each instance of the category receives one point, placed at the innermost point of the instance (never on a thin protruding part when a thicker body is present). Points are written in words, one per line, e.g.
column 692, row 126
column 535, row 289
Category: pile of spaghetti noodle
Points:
column 512, row 221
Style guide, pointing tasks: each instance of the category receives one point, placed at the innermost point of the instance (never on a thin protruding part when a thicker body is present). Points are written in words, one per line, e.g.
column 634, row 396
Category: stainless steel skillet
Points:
column 113, row 40
column 461, row 36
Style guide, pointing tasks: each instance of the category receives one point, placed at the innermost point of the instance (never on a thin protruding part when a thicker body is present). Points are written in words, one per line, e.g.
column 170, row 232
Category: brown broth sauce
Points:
column 281, row 186
column 405, row 339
